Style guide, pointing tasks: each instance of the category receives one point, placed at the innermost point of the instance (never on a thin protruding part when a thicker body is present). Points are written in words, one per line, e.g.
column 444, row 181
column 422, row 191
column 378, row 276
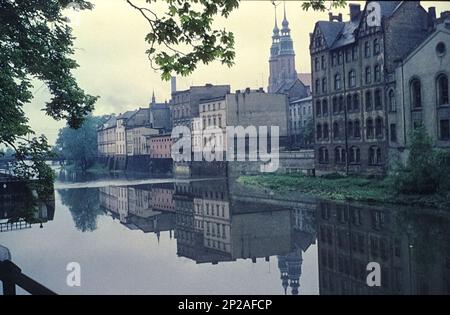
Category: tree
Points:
column 80, row 145
column 36, row 43
column 184, row 36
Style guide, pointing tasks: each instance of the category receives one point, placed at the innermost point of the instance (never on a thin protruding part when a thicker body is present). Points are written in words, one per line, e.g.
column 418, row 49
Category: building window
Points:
column 377, row 73
column 379, row 127
column 317, row 86
column 316, row 64
column 355, row 155
column 341, row 104
column 393, row 132
column 336, row 131
column 376, row 47
column 369, row 105
column 442, row 90
column 339, row 155
column 334, row 59
column 319, row 131
column 375, row 156
column 370, row 128
column 337, row 82
column 348, row 55
column 323, row 156
column 378, row 99
column 335, row 105
column 444, row 130
column 352, row 78
column 318, row 108
column 350, row 128
column 416, row 94
column 355, row 53
column 324, row 85
column 367, row 49
column 368, row 75
column 340, row 57
column 441, row 49
column 357, row 129
column 392, row 101
column 325, row 107
column 349, row 102
column 325, row 131
column 355, row 102
column 324, row 65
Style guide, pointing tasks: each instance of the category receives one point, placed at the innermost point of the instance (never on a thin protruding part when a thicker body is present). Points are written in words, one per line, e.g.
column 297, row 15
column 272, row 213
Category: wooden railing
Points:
column 12, row 276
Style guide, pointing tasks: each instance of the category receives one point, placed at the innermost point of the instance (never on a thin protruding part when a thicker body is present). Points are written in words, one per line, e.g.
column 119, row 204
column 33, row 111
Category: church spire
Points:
column 285, row 21
column 153, row 97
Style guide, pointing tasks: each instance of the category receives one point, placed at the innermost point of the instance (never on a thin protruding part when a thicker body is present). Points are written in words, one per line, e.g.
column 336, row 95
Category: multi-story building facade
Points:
column 138, row 128
column 160, row 146
column 121, row 134
column 353, row 64
column 300, row 115
column 184, row 104
column 106, row 138
column 422, row 96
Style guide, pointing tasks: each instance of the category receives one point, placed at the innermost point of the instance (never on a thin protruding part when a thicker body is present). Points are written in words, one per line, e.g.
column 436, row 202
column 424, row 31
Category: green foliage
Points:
column 184, row 36
column 35, row 43
column 426, row 171
column 80, row 145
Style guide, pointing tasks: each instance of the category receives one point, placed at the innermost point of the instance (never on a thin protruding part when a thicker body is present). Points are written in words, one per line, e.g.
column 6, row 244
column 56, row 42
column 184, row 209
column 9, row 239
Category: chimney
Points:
column 333, row 18
column 432, row 13
column 247, row 90
column 330, row 16
column 173, row 84
column 355, row 11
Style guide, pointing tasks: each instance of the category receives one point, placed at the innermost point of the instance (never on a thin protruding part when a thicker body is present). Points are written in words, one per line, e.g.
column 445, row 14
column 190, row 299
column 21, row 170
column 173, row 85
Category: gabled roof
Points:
column 110, row 123
column 330, row 30
column 127, row 115
column 305, row 78
column 347, row 35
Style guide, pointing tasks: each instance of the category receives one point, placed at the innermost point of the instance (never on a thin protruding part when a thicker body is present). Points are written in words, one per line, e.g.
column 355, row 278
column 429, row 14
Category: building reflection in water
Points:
column 21, row 206
column 222, row 221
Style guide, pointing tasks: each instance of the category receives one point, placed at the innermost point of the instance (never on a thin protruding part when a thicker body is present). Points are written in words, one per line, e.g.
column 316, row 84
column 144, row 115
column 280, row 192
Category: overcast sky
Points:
column 110, row 50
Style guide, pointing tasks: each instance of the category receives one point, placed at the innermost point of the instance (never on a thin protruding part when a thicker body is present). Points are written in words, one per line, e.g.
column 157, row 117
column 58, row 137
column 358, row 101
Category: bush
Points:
column 426, row 171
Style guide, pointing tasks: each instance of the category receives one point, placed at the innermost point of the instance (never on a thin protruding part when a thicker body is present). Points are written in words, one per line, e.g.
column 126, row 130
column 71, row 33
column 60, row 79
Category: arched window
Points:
column 379, row 127
column 375, row 157
column 316, row 63
column 350, row 129
column 416, row 94
column 355, row 155
column 367, row 49
column 317, row 86
column 341, row 104
column 324, row 85
column 326, row 131
column 352, row 78
column 378, row 99
column 325, row 107
column 392, row 101
column 368, row 75
column 370, row 128
column 369, row 105
column 442, row 90
column 336, row 131
column 355, row 102
column 339, row 155
column 337, row 82
column 357, row 129
column 335, row 105
column 319, row 131
column 376, row 47
column 318, row 108
column 377, row 73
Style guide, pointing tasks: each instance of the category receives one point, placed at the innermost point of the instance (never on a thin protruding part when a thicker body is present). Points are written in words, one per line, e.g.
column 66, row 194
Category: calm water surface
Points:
column 136, row 236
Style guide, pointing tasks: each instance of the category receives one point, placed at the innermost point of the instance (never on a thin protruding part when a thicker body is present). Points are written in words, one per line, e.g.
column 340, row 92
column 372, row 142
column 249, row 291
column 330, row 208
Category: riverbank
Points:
column 345, row 189
column 96, row 169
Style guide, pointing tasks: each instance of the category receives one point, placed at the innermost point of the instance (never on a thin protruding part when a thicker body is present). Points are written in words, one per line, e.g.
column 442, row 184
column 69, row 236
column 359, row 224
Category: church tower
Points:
column 282, row 56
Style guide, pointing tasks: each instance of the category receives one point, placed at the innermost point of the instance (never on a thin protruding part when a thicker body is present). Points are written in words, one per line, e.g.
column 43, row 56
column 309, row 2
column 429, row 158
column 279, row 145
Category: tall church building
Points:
column 282, row 57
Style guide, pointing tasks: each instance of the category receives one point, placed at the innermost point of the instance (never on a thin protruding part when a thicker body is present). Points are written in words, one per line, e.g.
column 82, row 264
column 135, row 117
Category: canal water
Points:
column 216, row 236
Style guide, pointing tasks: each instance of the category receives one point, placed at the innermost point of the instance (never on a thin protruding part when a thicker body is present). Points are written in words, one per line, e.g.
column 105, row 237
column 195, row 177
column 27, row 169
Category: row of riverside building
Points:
column 369, row 86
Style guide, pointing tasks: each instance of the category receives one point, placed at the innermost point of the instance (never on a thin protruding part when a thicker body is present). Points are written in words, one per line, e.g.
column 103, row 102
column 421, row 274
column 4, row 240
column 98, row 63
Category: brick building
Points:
column 353, row 64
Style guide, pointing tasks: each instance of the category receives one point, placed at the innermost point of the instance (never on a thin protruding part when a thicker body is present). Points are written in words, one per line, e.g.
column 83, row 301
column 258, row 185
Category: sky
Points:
column 110, row 49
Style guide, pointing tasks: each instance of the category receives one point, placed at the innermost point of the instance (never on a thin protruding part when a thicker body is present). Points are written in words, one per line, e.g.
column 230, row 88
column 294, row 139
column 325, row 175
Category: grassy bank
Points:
column 97, row 169
column 345, row 189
